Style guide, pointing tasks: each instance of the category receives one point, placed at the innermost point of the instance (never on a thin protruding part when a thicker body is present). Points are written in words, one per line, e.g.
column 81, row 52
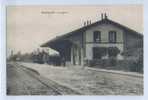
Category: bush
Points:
column 112, row 61
column 137, row 65
column 100, row 63
column 137, row 55
column 99, row 52
column 125, row 65
column 113, row 51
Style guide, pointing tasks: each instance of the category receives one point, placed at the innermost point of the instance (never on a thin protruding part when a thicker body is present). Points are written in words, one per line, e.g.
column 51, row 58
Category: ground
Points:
column 77, row 80
column 24, row 81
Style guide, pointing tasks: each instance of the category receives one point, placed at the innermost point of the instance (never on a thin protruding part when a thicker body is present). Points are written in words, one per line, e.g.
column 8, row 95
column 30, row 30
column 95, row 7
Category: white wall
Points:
column 104, row 28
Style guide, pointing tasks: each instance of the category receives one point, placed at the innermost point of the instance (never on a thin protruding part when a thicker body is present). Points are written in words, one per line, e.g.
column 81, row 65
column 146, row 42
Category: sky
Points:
column 30, row 26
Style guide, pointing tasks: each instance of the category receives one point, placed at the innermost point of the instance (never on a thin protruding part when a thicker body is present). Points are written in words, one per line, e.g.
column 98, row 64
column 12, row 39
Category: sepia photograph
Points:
column 73, row 50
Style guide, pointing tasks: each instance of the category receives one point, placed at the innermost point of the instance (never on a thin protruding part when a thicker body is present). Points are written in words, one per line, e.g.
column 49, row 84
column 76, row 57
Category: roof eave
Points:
column 47, row 44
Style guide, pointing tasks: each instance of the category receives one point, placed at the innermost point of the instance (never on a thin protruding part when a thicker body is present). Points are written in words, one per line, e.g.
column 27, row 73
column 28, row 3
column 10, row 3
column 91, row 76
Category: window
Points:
column 112, row 36
column 97, row 36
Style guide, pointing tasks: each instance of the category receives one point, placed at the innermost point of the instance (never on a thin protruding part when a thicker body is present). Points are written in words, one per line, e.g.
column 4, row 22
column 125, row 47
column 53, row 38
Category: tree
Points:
column 113, row 51
column 99, row 52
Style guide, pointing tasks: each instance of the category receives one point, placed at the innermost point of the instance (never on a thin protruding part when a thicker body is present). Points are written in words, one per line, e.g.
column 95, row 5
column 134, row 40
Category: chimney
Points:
column 105, row 16
column 87, row 22
column 101, row 16
column 90, row 22
column 84, row 23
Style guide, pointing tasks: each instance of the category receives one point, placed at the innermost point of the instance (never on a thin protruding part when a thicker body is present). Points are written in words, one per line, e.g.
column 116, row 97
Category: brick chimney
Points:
column 101, row 16
column 87, row 22
column 105, row 16
column 84, row 23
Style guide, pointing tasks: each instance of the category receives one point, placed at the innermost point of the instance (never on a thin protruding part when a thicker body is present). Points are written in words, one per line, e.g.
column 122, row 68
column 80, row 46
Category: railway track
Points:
column 97, row 81
column 50, row 85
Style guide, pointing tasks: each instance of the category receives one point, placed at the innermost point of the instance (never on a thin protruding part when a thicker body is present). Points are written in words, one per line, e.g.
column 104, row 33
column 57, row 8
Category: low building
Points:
column 84, row 44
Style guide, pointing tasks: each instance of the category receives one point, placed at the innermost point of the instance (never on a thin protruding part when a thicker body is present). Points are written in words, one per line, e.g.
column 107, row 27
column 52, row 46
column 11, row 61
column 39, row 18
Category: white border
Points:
column 4, row 3
column 70, row 2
